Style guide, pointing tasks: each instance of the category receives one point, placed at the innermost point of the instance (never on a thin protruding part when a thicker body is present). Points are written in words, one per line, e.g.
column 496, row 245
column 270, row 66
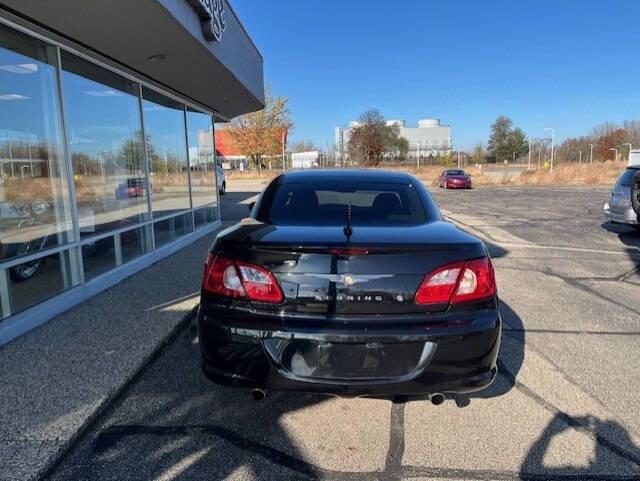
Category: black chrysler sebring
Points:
column 349, row 282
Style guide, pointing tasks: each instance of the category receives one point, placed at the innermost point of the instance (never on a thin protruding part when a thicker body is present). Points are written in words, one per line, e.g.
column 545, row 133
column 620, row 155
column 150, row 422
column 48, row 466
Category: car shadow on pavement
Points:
column 629, row 236
column 615, row 457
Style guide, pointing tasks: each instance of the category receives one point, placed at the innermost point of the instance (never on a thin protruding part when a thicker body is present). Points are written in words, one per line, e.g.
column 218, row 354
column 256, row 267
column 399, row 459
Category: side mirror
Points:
column 251, row 206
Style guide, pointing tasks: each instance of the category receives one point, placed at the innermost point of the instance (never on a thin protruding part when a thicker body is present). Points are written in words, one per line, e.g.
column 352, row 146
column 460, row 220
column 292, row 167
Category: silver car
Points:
column 619, row 208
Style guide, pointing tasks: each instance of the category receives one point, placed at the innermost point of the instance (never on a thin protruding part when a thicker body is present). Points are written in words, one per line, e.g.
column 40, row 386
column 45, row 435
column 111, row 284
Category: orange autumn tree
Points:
column 608, row 141
column 261, row 133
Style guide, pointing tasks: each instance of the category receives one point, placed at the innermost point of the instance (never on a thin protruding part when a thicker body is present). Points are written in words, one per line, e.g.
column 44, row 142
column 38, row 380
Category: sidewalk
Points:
column 56, row 379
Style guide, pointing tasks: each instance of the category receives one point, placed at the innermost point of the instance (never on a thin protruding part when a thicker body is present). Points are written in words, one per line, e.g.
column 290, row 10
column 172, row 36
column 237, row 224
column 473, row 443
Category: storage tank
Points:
column 399, row 123
column 426, row 123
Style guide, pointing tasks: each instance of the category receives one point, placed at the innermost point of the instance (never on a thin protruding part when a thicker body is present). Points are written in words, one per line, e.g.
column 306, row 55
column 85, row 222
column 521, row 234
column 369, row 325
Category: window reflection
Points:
column 106, row 146
column 202, row 159
column 135, row 243
column 53, row 276
column 98, row 257
column 34, row 207
column 167, row 153
column 171, row 229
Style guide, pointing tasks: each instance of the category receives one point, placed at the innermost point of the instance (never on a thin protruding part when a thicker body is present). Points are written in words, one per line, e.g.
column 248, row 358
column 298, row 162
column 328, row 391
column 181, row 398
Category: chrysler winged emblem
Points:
column 351, row 279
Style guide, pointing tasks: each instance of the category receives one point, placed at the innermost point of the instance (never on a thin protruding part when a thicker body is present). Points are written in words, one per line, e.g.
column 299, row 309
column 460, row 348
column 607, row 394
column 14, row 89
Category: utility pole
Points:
column 616, row 151
column 630, row 149
column 553, row 132
column 284, row 160
column 529, row 163
column 539, row 152
column 591, row 153
column 581, row 157
column 418, row 161
column 458, row 159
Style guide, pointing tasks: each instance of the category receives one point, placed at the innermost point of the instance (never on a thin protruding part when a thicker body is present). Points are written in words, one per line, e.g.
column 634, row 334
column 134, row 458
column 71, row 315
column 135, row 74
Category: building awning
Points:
column 168, row 41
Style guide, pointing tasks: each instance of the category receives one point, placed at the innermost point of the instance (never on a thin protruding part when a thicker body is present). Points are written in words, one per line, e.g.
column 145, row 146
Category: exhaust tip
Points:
column 437, row 399
column 258, row 394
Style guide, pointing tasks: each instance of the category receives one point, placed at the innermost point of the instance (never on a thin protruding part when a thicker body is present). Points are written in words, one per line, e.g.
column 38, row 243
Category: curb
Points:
column 111, row 399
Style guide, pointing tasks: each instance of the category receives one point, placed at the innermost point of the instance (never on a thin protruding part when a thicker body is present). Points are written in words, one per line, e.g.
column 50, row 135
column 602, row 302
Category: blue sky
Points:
column 568, row 64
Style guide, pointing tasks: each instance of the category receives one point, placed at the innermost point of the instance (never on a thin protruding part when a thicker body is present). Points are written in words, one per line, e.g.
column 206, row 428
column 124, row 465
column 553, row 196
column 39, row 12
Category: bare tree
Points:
column 372, row 138
column 303, row 146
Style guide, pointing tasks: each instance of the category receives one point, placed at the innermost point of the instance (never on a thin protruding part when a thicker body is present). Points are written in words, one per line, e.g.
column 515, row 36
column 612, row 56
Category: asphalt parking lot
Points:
column 564, row 406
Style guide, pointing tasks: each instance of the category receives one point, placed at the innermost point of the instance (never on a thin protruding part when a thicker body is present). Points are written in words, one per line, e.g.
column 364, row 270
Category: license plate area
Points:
column 343, row 361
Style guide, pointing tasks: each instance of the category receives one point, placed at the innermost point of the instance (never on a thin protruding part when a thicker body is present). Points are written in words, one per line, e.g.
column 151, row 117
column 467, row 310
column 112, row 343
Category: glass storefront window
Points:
column 36, row 281
column 104, row 161
column 164, row 125
column 202, row 158
column 135, row 243
column 168, row 230
column 34, row 205
column 102, row 112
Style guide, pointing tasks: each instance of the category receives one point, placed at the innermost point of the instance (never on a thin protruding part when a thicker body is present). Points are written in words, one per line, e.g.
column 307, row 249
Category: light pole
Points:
column 529, row 163
column 553, row 133
column 581, row 157
column 616, row 151
column 284, row 160
column 458, row 159
column 591, row 153
column 418, row 161
column 630, row 148
column 539, row 151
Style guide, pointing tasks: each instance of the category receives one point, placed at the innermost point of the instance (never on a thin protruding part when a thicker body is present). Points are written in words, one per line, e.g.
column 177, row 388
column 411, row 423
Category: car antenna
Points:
column 348, row 231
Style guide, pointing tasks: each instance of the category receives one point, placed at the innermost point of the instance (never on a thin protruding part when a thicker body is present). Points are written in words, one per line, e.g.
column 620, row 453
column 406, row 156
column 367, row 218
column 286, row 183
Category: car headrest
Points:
column 387, row 204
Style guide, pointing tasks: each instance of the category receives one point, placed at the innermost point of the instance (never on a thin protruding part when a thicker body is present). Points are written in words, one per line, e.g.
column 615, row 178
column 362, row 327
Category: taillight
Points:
column 233, row 278
column 457, row 283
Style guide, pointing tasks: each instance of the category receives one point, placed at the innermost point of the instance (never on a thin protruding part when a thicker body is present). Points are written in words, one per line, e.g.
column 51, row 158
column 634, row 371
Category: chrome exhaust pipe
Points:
column 258, row 394
column 436, row 399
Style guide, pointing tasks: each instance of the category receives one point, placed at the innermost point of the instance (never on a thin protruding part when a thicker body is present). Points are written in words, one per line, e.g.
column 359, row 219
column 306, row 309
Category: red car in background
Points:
column 455, row 179
column 133, row 187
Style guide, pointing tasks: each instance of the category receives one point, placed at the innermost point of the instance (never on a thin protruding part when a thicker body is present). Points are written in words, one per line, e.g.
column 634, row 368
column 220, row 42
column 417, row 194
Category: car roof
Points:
column 360, row 175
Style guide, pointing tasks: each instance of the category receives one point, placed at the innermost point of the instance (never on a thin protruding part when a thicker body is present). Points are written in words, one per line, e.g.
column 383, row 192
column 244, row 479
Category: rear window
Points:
column 326, row 204
column 626, row 178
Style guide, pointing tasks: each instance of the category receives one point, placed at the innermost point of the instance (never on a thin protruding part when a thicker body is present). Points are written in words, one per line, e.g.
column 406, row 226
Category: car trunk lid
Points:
column 375, row 272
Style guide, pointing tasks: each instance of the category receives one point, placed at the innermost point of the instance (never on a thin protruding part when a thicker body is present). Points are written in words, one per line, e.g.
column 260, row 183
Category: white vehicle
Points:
column 221, row 180
column 622, row 207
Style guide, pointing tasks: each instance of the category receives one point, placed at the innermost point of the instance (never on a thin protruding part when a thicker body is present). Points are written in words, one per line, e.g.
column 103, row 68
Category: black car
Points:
column 349, row 282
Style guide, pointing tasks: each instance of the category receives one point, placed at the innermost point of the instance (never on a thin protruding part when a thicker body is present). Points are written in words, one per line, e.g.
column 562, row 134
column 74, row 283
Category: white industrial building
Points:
column 429, row 138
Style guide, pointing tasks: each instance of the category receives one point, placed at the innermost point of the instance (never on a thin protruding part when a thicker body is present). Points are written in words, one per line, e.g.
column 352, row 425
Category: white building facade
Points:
column 430, row 138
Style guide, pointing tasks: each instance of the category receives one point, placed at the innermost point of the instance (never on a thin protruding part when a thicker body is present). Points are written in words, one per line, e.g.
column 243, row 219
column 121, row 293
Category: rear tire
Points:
column 25, row 271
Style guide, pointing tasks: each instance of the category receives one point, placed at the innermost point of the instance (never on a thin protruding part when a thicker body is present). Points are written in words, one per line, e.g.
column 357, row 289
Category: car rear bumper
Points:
column 458, row 185
column 620, row 215
column 353, row 362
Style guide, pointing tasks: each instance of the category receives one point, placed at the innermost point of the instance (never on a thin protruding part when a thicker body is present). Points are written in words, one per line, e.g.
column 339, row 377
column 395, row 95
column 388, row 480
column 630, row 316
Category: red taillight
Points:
column 457, row 283
column 233, row 278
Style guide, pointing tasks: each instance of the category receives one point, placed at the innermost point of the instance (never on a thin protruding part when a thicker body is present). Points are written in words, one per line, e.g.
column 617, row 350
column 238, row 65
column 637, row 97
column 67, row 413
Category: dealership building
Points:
column 429, row 138
column 107, row 153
